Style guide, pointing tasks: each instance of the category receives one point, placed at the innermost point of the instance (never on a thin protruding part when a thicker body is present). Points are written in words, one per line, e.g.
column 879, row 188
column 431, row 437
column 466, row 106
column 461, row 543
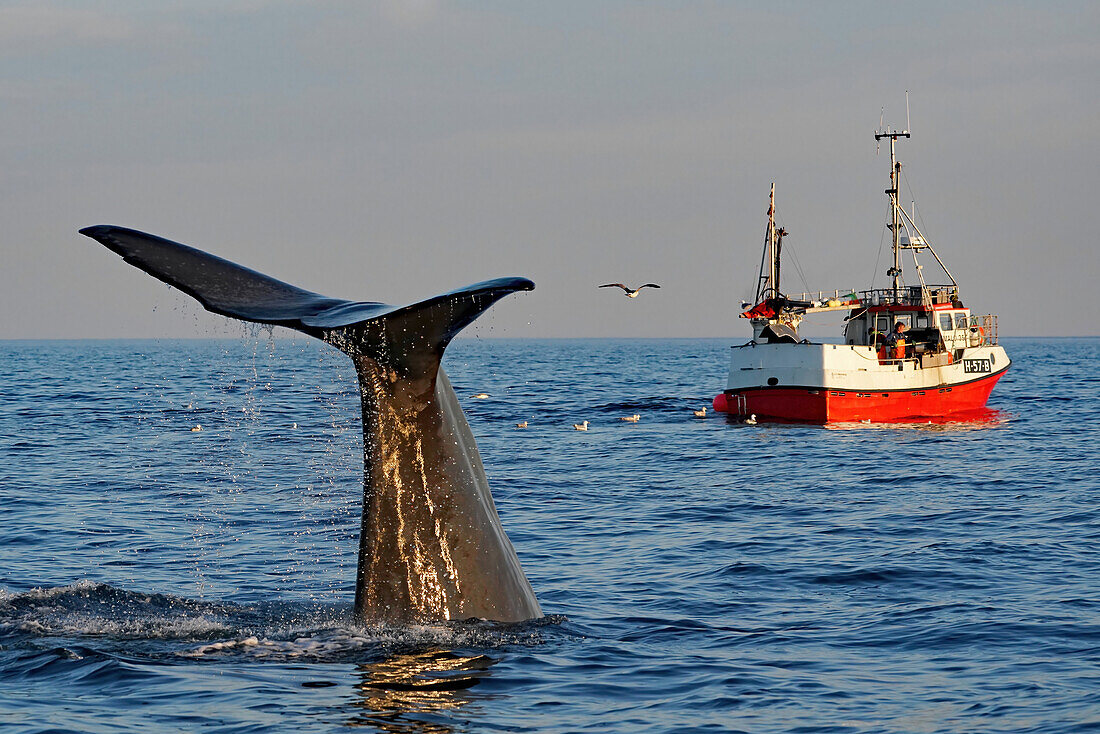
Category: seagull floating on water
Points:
column 582, row 426
column 631, row 418
column 196, row 429
column 630, row 292
column 480, row 396
column 521, row 424
column 751, row 420
column 700, row 413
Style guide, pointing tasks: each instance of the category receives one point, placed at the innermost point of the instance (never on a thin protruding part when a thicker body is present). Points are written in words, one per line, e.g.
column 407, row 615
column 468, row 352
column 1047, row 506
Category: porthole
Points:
column 992, row 359
column 773, row 381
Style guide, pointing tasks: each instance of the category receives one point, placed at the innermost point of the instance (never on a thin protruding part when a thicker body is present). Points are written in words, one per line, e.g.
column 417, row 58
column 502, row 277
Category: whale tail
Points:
column 431, row 545
column 408, row 338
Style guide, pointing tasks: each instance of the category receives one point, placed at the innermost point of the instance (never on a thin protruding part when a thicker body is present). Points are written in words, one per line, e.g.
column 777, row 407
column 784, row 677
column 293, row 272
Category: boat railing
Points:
column 912, row 295
column 915, row 361
column 825, row 296
column 987, row 328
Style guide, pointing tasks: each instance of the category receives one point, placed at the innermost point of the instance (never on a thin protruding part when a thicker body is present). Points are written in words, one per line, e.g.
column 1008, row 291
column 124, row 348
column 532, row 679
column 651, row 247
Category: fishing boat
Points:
column 911, row 350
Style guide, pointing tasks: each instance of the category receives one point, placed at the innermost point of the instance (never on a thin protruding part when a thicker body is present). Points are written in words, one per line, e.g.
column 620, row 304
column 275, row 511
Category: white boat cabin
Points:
column 935, row 320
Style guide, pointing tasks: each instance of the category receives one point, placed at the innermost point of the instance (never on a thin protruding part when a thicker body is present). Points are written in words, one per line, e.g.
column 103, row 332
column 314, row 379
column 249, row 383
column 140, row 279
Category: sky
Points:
column 390, row 151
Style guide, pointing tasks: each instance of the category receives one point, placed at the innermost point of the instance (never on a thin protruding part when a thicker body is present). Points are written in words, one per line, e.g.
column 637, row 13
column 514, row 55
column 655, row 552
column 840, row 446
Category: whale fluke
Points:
column 431, row 545
column 395, row 333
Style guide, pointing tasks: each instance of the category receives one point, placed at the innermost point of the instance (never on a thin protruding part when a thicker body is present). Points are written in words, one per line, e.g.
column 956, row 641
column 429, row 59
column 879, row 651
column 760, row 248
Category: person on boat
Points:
column 895, row 340
column 898, row 334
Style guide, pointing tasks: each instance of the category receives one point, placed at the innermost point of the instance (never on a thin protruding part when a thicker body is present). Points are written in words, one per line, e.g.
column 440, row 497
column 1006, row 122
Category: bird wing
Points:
column 614, row 285
column 649, row 285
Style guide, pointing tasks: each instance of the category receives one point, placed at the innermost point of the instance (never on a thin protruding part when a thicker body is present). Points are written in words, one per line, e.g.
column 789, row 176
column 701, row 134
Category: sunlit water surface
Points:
column 698, row 574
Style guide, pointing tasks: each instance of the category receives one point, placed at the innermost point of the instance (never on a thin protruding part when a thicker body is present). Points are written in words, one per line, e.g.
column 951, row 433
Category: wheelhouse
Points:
column 935, row 321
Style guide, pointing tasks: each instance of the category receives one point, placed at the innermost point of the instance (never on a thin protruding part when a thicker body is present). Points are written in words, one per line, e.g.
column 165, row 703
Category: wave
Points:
column 96, row 609
column 107, row 619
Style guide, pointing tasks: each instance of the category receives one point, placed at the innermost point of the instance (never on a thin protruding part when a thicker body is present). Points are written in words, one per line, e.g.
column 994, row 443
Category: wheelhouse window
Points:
column 945, row 322
column 960, row 320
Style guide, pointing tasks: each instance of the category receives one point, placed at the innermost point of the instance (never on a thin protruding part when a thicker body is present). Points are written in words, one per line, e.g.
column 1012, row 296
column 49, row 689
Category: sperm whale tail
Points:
column 431, row 544
column 402, row 336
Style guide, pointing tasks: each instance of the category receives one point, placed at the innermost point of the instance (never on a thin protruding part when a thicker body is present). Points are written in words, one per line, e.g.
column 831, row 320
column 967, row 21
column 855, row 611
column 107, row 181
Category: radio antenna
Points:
column 907, row 128
column 881, row 113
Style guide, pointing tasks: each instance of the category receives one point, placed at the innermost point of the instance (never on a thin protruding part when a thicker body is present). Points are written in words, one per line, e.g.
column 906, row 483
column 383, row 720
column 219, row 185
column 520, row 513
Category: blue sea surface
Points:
column 697, row 574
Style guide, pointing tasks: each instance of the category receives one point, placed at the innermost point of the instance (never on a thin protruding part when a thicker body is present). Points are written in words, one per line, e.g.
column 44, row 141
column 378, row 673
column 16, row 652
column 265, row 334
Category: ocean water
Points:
column 697, row 574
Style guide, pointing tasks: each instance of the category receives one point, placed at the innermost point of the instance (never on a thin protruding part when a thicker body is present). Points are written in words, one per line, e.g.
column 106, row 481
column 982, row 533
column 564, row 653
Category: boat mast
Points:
column 773, row 261
column 767, row 279
column 892, row 192
column 900, row 218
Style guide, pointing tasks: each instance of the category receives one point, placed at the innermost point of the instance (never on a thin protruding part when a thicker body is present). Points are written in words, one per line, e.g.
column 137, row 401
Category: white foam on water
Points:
column 332, row 642
column 147, row 628
column 323, row 645
column 220, row 646
column 53, row 622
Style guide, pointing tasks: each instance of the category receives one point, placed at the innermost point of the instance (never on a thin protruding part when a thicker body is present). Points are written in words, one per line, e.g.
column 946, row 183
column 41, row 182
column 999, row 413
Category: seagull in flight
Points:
column 630, row 292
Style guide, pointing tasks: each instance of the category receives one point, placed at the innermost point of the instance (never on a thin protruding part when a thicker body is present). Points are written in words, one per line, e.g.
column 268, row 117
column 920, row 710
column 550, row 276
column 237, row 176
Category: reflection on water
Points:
column 403, row 693
column 962, row 421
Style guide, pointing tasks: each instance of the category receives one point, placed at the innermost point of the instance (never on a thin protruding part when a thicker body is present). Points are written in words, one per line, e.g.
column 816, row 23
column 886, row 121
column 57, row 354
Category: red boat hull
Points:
column 819, row 405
